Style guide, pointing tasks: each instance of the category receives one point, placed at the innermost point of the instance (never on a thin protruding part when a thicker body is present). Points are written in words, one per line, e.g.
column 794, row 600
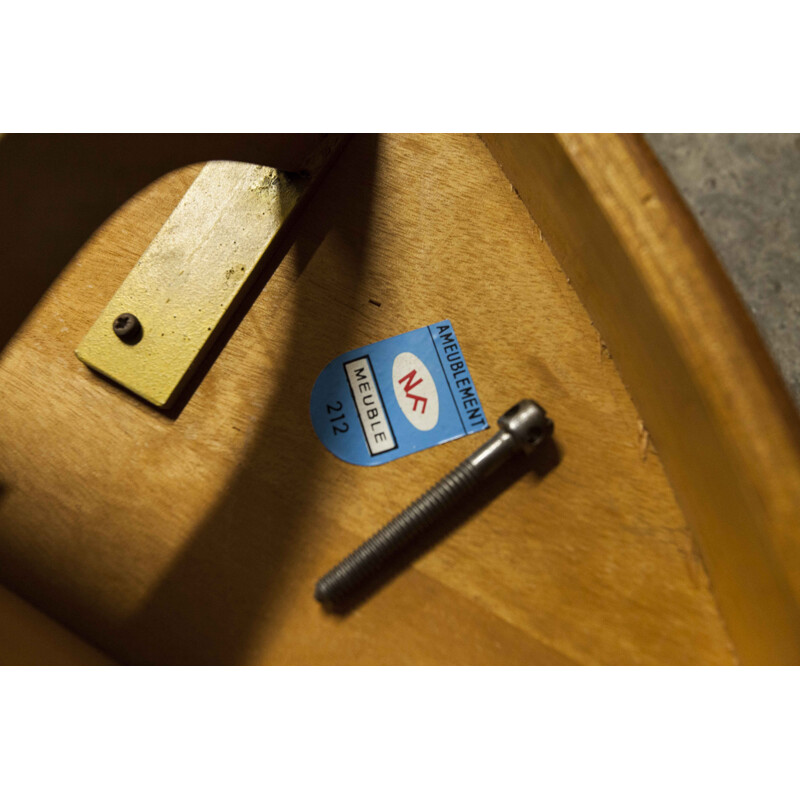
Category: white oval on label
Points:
column 415, row 391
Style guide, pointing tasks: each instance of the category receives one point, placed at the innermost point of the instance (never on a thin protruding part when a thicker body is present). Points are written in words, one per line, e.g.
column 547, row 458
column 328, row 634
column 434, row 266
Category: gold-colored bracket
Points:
column 193, row 273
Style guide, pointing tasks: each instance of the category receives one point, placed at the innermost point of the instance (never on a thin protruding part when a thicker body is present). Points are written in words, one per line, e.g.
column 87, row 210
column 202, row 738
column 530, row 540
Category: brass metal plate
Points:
column 190, row 277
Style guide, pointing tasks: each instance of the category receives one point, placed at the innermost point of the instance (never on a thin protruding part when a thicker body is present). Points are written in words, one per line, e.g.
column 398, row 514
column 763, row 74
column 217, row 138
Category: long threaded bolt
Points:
column 522, row 428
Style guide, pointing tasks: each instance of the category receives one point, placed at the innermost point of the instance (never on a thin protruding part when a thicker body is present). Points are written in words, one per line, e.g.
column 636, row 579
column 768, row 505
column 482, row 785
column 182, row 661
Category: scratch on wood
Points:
column 644, row 440
column 693, row 559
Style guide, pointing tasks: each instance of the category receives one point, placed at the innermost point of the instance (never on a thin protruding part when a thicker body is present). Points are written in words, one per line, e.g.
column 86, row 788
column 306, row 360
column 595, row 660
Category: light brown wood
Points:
column 198, row 537
column 697, row 369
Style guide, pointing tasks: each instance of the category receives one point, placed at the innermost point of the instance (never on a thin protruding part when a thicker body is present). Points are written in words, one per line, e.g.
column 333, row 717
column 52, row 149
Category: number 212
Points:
column 333, row 410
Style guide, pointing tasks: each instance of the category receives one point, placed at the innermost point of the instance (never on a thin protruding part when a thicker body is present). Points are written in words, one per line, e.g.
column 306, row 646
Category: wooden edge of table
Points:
column 711, row 397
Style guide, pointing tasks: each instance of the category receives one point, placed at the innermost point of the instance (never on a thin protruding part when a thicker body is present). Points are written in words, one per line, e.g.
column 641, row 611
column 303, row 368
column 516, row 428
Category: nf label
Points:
column 395, row 397
column 415, row 391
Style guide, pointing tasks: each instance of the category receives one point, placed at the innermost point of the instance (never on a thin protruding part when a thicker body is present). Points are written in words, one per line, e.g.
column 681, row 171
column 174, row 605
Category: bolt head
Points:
column 128, row 328
column 528, row 423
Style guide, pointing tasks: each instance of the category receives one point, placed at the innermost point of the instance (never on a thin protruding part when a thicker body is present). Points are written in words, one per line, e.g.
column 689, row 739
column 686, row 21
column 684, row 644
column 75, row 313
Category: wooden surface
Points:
column 29, row 637
column 69, row 184
column 697, row 369
column 197, row 537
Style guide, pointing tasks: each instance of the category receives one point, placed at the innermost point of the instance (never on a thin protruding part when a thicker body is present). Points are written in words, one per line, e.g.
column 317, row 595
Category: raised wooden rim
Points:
column 708, row 391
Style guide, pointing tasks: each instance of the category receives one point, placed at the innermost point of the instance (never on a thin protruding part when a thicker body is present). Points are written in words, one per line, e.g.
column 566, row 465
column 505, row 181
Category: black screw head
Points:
column 128, row 328
column 528, row 423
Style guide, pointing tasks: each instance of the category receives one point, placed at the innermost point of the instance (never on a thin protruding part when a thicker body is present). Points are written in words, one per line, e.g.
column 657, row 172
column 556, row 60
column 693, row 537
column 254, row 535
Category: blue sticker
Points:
column 395, row 397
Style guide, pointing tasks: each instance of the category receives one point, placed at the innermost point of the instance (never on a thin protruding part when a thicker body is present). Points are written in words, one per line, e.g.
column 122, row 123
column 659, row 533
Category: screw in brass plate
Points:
column 128, row 328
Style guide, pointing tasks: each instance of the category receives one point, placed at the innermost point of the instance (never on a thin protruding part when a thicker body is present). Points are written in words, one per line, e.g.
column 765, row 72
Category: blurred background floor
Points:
column 744, row 189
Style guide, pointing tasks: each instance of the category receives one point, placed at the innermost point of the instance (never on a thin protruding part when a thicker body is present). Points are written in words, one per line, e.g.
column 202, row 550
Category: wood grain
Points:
column 198, row 537
column 29, row 637
column 708, row 391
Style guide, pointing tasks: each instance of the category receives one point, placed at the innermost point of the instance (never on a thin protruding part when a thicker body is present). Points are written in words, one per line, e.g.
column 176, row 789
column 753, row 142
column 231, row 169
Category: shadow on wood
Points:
column 221, row 585
column 56, row 190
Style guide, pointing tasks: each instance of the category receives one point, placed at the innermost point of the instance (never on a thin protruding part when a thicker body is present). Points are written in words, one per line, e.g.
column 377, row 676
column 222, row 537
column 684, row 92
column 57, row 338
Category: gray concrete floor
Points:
column 744, row 190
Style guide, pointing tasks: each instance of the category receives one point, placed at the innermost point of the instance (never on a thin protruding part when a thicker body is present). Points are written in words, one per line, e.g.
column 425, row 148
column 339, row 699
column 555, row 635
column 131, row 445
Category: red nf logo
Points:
column 415, row 391
column 410, row 384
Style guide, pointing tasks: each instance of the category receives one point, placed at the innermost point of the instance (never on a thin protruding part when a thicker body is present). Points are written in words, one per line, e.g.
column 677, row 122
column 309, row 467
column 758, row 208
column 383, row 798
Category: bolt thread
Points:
column 368, row 559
